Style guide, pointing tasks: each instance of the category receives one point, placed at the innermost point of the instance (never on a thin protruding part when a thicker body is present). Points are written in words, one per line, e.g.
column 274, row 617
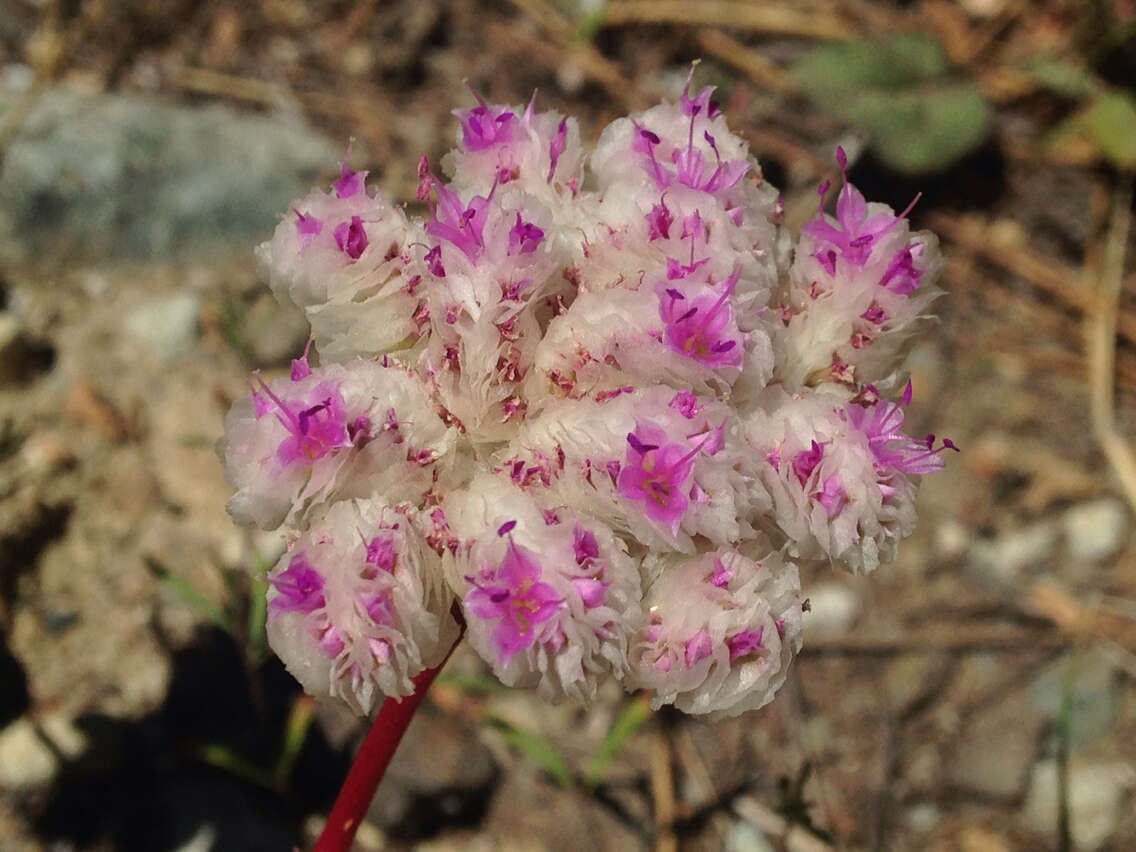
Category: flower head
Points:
column 351, row 632
column 601, row 413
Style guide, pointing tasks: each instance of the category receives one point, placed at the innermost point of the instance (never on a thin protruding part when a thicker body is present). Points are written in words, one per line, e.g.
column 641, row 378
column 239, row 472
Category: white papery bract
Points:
column 658, row 465
column 346, row 261
column 345, row 430
column 357, row 606
column 538, row 151
column 859, row 285
column 721, row 631
column 550, row 595
column 604, row 411
column 840, row 473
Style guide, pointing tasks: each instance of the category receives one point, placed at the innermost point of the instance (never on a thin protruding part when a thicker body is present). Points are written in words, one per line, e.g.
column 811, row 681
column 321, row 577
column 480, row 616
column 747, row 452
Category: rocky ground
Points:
column 976, row 695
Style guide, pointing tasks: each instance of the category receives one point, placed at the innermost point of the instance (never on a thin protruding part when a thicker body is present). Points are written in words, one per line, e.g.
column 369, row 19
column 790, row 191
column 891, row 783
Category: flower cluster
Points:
column 600, row 409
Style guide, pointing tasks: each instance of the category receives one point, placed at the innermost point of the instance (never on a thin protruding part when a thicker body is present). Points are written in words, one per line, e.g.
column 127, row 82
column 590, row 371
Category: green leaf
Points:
column 589, row 23
column 1061, row 77
column 630, row 719
column 921, row 132
column 1112, row 121
column 537, row 749
column 832, row 70
column 898, row 91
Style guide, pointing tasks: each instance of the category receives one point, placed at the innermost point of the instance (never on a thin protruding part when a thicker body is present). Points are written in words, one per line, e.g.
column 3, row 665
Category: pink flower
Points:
column 433, row 260
column 584, row 545
column 308, row 227
column 685, row 403
column 690, row 166
column 831, row 495
column 301, row 369
column 514, row 595
column 556, row 147
column 700, row 328
column 901, row 275
column 458, row 224
column 805, row 462
column 875, row 314
column 745, row 642
column 316, row 425
column 659, row 221
column 351, row 237
column 485, row 126
column 700, row 104
column 349, row 183
column 656, row 472
column 299, row 588
column 381, row 552
column 855, row 232
column 722, row 574
column 524, row 237
column 894, row 450
column 697, row 648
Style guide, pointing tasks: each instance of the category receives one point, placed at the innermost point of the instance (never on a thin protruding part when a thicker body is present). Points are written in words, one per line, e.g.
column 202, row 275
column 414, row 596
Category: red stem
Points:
column 371, row 763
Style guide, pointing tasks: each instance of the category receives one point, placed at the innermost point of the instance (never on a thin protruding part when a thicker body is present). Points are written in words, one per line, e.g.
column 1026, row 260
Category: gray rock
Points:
column 1096, row 793
column 25, row 760
column 746, row 837
column 1096, row 529
column 922, row 817
column 204, row 839
column 275, row 333
column 128, row 176
column 1012, row 552
column 833, row 608
column 997, row 749
column 167, row 326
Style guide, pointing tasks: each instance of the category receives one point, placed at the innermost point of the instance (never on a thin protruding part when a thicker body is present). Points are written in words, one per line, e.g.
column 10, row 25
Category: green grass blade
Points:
column 537, row 749
column 221, row 757
column 630, row 719
column 190, row 595
column 295, row 734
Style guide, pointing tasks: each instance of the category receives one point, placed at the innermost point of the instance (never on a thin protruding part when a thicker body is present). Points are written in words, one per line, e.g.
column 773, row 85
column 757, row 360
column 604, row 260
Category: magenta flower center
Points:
column 514, row 596
column 316, row 425
column 299, row 588
column 351, row 237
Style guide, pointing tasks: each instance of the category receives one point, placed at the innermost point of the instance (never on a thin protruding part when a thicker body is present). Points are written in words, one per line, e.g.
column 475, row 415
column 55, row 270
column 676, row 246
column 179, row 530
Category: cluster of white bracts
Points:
column 601, row 422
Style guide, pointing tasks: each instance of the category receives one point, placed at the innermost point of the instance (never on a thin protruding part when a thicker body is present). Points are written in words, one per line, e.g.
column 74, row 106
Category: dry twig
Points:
column 792, row 837
column 591, row 61
column 762, row 70
column 821, row 21
column 1100, row 341
column 974, row 639
column 1045, row 273
column 662, row 790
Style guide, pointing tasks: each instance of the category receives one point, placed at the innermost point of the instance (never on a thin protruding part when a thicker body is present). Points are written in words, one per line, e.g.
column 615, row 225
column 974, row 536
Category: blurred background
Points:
column 977, row 695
